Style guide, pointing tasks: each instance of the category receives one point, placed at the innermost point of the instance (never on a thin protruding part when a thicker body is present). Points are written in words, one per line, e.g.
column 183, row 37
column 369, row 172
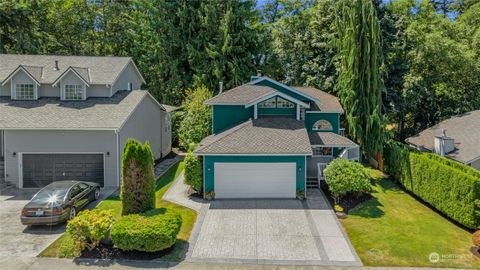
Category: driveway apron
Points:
column 272, row 232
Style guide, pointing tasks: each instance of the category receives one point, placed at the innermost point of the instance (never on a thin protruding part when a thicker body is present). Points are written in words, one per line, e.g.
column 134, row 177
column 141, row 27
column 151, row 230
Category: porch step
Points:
column 312, row 183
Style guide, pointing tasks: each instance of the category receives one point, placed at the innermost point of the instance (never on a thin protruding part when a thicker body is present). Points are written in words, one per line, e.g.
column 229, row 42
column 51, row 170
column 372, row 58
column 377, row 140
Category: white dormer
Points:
column 24, row 82
column 73, row 83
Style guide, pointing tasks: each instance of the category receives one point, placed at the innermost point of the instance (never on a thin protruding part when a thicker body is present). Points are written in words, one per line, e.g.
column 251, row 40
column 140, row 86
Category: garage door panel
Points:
column 255, row 180
column 42, row 169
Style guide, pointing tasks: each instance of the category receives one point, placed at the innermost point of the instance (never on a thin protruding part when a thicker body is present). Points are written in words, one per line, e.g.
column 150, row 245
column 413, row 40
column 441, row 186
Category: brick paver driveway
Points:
column 272, row 231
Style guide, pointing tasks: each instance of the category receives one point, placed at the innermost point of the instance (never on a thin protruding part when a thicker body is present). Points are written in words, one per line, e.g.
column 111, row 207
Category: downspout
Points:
column 118, row 157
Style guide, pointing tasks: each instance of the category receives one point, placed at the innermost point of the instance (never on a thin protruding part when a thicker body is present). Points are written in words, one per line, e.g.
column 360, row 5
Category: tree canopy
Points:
column 431, row 48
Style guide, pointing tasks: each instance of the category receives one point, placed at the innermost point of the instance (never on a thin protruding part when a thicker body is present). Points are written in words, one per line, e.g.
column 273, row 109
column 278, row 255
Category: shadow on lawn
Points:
column 372, row 207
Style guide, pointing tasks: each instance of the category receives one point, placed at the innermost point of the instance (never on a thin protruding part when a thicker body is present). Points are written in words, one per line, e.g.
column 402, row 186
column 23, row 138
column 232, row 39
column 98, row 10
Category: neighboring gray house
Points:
column 457, row 138
column 68, row 117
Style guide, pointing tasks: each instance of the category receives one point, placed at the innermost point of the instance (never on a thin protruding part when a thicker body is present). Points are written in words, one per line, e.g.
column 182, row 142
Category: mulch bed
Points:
column 103, row 251
column 347, row 202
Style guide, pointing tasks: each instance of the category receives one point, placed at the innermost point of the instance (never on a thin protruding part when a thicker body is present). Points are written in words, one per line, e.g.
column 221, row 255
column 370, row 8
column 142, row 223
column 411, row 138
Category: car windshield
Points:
column 50, row 195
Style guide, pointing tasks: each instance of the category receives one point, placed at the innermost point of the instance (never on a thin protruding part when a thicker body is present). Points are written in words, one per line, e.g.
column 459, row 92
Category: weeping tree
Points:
column 360, row 62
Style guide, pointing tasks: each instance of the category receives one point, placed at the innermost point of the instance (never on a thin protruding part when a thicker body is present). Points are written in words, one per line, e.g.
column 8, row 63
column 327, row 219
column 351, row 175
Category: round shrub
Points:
column 88, row 229
column 152, row 231
column 346, row 177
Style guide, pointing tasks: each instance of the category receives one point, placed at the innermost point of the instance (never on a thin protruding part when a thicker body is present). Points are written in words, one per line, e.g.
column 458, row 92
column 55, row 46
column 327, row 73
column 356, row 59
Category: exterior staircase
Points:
column 312, row 183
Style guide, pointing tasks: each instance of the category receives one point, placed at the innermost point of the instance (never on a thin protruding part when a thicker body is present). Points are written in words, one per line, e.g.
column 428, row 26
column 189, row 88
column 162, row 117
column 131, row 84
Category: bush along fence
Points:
column 450, row 187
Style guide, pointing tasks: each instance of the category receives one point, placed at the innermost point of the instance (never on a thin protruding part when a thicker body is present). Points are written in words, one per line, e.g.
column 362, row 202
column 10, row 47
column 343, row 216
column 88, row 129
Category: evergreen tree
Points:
column 360, row 61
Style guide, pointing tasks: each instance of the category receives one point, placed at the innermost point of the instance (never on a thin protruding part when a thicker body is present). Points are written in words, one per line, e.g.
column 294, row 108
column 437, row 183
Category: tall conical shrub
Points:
column 138, row 179
column 360, row 84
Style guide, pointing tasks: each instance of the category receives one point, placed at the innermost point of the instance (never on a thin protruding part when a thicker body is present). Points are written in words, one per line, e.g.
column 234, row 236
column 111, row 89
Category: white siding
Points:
column 22, row 78
column 476, row 164
column 129, row 74
column 145, row 125
column 37, row 141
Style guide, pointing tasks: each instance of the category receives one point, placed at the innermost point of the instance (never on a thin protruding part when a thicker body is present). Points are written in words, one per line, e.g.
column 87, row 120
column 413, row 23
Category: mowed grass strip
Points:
column 394, row 229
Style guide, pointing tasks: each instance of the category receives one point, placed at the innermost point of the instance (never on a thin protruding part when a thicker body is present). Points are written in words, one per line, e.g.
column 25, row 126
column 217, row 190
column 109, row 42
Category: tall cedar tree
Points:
column 360, row 84
column 138, row 180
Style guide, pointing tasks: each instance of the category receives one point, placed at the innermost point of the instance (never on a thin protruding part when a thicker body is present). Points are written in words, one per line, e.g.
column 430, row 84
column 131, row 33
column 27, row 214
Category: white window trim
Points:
column 316, row 129
column 331, row 151
column 84, row 92
column 14, row 90
column 130, row 86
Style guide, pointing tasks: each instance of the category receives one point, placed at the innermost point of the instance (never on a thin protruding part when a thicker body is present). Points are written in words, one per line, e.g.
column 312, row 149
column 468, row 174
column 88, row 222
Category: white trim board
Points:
column 69, row 69
column 285, row 87
column 20, row 67
column 280, row 94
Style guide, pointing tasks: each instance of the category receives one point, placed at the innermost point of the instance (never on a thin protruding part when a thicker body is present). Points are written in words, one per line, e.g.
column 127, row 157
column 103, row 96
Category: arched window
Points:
column 322, row 125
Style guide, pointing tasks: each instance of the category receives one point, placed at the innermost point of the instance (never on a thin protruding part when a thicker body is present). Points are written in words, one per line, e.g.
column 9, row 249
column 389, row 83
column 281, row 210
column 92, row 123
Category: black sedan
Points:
column 58, row 202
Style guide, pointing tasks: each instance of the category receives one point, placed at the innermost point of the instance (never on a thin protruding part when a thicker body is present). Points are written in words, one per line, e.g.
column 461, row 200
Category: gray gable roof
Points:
column 98, row 70
column 241, row 95
column 273, row 135
column 464, row 129
column 52, row 113
column 328, row 103
column 329, row 139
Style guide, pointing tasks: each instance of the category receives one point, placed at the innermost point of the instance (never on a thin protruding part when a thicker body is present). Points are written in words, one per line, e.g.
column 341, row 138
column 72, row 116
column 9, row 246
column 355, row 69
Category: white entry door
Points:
column 255, row 180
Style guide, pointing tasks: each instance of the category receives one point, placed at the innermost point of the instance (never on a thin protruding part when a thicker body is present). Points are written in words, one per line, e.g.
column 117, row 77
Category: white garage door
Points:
column 255, row 180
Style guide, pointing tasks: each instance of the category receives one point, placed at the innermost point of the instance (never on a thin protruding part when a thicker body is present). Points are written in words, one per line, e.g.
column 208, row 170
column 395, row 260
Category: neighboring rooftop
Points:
column 329, row 139
column 464, row 129
column 272, row 135
column 328, row 103
column 241, row 95
column 94, row 69
column 52, row 113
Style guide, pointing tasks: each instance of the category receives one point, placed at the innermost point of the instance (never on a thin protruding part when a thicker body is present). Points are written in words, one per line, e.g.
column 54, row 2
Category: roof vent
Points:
column 221, row 87
column 56, row 65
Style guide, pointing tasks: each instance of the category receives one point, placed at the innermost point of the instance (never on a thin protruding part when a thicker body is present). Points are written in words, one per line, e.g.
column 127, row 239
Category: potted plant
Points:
column 339, row 211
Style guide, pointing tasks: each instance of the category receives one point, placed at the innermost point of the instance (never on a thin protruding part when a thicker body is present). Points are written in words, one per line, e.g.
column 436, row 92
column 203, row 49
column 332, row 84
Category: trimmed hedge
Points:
column 194, row 172
column 448, row 186
column 152, row 231
column 138, row 178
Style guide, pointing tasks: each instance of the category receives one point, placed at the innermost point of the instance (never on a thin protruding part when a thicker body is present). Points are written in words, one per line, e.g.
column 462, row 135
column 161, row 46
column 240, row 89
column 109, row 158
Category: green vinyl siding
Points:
column 209, row 163
column 333, row 118
column 227, row 116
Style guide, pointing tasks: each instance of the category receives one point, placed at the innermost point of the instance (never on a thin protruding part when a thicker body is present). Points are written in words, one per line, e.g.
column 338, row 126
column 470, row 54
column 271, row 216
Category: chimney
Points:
column 221, row 87
column 443, row 144
column 56, row 65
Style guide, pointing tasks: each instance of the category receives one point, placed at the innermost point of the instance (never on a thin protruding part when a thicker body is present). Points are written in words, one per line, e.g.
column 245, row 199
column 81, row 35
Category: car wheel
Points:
column 72, row 214
column 97, row 194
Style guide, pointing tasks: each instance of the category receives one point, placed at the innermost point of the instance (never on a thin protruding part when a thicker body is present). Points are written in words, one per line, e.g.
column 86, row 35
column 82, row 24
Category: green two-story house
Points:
column 271, row 140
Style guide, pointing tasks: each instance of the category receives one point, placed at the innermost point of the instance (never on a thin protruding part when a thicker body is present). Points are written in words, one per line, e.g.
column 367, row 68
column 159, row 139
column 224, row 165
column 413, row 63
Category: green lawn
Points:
column 394, row 229
column 188, row 216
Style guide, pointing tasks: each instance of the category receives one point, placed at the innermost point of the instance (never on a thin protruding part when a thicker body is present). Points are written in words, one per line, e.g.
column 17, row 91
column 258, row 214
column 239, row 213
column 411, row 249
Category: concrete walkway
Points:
column 165, row 164
column 178, row 193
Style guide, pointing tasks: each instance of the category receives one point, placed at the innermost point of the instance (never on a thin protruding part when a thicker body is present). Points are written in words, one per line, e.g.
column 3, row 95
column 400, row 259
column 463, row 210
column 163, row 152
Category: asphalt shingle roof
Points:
column 328, row 103
column 103, row 70
column 52, row 113
column 329, row 138
column 241, row 95
column 464, row 129
column 272, row 135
